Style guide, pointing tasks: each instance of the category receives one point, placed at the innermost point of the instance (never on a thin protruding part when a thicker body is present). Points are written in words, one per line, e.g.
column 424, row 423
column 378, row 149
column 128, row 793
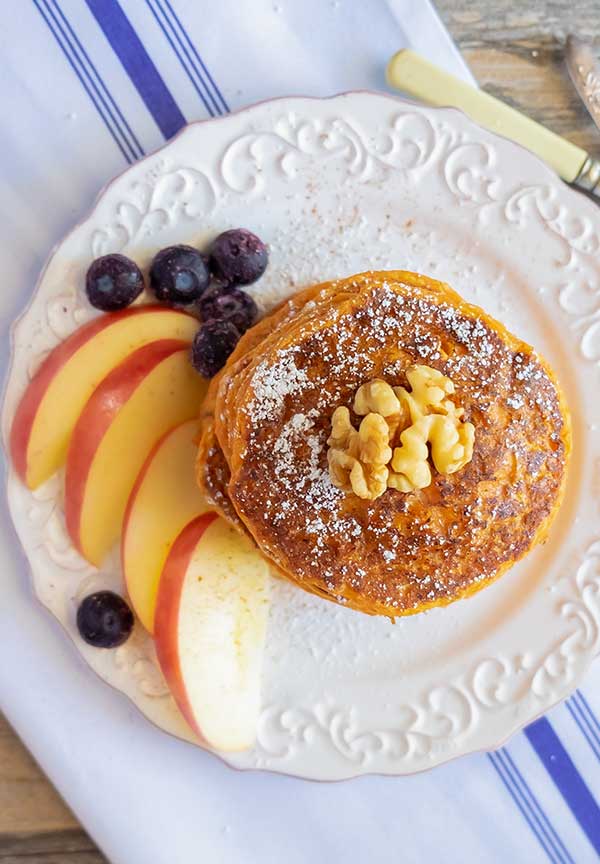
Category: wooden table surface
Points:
column 515, row 54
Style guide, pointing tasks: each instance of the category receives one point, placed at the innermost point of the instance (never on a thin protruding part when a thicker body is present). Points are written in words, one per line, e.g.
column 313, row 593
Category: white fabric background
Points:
column 146, row 798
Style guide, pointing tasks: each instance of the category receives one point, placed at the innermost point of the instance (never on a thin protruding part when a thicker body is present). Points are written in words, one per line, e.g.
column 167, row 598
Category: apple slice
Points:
column 152, row 390
column 164, row 499
column 210, row 626
column 55, row 397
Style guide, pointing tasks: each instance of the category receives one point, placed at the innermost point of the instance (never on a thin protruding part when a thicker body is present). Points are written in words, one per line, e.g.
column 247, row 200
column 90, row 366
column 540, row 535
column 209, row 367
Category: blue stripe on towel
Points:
column 222, row 106
column 82, row 71
column 530, row 808
column 587, row 709
column 127, row 131
column 584, row 722
column 137, row 63
column 566, row 777
column 183, row 56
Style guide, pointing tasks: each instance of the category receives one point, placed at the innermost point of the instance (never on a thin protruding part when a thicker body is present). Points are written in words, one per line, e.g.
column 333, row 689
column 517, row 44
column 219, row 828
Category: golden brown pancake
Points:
column 263, row 454
column 212, row 468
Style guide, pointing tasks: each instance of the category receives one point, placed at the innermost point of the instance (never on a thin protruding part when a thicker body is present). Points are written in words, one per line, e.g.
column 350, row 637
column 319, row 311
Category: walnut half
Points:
column 424, row 423
column 358, row 459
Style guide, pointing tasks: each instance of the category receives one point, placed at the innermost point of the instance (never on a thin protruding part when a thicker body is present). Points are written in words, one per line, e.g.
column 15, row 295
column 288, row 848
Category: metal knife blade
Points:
column 584, row 70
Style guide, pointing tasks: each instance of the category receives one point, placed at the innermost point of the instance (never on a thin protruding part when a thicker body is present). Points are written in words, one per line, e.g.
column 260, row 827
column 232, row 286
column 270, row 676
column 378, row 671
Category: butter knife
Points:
column 412, row 74
column 584, row 70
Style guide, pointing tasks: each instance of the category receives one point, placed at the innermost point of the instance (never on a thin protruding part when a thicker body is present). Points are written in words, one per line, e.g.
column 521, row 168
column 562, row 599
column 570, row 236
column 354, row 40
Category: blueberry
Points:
column 228, row 304
column 113, row 282
column 104, row 619
column 212, row 345
column 238, row 257
column 179, row 274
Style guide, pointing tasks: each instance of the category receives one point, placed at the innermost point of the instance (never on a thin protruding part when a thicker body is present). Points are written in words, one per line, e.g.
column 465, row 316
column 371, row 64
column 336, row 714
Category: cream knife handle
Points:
column 409, row 72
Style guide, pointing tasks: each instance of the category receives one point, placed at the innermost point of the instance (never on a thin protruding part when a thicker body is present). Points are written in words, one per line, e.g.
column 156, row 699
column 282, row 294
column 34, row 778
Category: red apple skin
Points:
column 100, row 410
column 133, row 504
column 26, row 412
column 167, row 611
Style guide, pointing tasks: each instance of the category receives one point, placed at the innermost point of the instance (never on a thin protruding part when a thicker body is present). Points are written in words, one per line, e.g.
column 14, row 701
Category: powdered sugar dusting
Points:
column 272, row 384
column 420, row 551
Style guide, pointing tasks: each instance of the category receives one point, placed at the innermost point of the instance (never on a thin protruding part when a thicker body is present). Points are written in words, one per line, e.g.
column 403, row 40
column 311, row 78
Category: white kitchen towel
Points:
column 88, row 86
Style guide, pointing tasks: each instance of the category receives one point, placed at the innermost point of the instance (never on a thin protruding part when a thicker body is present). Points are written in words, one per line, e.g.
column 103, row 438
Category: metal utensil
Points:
column 409, row 72
column 584, row 70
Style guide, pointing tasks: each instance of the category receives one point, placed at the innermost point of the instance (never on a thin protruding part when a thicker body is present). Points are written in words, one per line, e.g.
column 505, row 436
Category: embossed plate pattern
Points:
column 338, row 186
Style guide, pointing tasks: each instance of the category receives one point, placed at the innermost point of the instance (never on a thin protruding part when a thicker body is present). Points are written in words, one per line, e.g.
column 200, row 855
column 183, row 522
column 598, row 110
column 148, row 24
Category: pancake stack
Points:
column 266, row 421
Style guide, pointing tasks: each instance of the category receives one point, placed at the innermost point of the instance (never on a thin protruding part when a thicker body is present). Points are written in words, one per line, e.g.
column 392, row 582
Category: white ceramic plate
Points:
column 335, row 187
